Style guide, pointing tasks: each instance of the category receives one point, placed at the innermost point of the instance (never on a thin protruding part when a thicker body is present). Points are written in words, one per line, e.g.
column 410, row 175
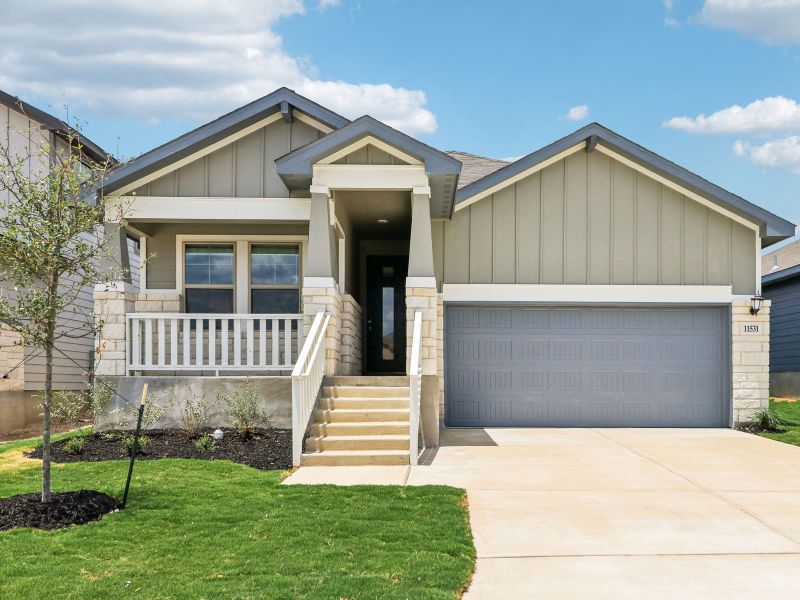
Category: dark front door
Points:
column 386, row 314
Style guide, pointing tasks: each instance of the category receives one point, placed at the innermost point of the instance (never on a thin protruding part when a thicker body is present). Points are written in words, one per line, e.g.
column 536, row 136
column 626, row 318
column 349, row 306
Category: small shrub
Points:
column 243, row 409
column 68, row 406
column 131, row 446
column 768, row 420
column 194, row 415
column 99, row 398
column 155, row 408
column 75, row 445
column 109, row 436
column 205, row 443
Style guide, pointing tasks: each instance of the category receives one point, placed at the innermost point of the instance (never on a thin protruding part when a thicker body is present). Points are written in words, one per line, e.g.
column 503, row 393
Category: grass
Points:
column 790, row 413
column 200, row 529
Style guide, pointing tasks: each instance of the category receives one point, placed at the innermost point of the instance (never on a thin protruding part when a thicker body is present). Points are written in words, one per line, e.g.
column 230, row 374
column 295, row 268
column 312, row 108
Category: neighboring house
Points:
column 22, row 127
column 781, row 285
column 590, row 283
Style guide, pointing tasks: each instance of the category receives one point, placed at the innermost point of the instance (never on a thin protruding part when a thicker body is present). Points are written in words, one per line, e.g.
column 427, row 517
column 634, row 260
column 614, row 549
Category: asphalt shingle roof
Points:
column 475, row 167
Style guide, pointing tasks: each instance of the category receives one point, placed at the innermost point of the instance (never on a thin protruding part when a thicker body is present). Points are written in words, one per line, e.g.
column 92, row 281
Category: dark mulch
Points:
column 65, row 509
column 266, row 449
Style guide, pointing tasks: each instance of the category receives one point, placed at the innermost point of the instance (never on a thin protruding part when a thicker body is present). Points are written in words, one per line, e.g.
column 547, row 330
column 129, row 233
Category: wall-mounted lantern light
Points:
column 756, row 302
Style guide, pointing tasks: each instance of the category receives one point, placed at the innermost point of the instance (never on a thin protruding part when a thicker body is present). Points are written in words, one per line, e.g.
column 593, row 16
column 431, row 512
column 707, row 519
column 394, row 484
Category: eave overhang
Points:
column 772, row 228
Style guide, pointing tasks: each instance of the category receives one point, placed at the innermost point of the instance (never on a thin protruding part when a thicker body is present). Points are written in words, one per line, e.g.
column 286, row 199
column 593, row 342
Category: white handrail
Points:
column 306, row 380
column 212, row 342
column 415, row 390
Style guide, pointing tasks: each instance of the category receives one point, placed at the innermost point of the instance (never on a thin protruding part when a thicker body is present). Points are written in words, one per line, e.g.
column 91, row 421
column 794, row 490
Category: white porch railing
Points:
column 212, row 342
column 415, row 387
column 306, row 380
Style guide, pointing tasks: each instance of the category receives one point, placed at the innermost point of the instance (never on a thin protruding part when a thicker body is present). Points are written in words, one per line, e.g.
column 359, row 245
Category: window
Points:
column 208, row 278
column 274, row 278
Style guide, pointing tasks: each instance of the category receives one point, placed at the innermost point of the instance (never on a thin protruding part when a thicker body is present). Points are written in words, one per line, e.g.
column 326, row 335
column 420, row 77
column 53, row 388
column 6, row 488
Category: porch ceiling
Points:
column 363, row 209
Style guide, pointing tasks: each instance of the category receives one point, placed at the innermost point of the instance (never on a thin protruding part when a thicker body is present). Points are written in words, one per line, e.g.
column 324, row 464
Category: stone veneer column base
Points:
column 328, row 299
column 350, row 337
column 423, row 299
column 11, row 357
column 440, row 350
column 110, row 308
column 750, row 359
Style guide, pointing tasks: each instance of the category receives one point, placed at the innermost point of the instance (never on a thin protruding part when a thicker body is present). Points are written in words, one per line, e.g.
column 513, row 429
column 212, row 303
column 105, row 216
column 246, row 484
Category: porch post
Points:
column 421, row 294
column 319, row 284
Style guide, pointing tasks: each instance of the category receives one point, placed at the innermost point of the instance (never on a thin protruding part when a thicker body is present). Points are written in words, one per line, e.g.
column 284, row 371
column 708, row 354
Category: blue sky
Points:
column 495, row 79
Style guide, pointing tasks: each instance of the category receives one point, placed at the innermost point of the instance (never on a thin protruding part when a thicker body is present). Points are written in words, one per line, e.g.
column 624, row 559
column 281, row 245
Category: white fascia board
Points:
column 588, row 294
column 520, row 176
column 678, row 188
column 163, row 209
column 370, row 177
column 199, row 154
column 300, row 116
column 373, row 141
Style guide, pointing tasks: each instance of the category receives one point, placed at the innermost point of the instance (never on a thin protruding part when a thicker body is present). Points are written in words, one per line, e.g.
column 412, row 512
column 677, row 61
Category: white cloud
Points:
column 177, row 59
column 323, row 4
column 669, row 19
column 772, row 21
column 776, row 154
column 577, row 113
column 772, row 114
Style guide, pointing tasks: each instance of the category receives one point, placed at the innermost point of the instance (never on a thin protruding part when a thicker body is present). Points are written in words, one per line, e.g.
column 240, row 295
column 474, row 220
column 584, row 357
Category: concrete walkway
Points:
column 617, row 513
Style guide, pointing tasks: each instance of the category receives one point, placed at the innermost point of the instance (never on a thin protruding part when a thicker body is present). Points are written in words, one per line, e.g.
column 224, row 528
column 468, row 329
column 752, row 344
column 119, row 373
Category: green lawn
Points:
column 789, row 412
column 198, row 529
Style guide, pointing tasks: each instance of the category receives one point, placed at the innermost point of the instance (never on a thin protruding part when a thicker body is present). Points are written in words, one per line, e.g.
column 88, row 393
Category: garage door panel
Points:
column 586, row 366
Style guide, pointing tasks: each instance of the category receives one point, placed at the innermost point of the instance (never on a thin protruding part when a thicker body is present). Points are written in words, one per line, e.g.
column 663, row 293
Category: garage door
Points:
column 595, row 366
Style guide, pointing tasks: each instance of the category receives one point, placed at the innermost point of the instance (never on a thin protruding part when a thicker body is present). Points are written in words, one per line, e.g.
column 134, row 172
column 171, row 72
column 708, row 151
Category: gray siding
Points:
column 243, row 169
column 784, row 319
column 369, row 155
column 589, row 219
column 24, row 137
column 161, row 244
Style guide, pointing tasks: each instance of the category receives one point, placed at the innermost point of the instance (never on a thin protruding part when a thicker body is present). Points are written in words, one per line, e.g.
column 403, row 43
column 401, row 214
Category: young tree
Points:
column 53, row 245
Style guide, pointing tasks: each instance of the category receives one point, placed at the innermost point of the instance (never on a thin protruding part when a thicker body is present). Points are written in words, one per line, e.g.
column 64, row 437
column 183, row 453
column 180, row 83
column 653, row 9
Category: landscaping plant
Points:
column 133, row 446
column 244, row 411
column 768, row 420
column 74, row 445
column 205, row 443
column 52, row 248
column 194, row 415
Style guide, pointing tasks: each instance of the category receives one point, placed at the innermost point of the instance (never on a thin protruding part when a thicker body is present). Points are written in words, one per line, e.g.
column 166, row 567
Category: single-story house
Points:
column 376, row 288
column 23, row 129
column 780, row 283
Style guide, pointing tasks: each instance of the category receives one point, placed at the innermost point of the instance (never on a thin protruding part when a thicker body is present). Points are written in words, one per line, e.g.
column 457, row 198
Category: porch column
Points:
column 319, row 283
column 116, row 261
column 421, row 294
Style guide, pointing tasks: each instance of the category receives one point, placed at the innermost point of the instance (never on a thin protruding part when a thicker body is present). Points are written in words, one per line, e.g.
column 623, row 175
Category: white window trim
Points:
column 241, row 261
column 588, row 294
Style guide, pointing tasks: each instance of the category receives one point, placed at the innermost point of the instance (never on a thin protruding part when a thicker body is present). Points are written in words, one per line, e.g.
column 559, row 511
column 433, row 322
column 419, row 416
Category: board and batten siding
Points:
column 589, row 219
column 242, row 169
column 784, row 319
column 369, row 155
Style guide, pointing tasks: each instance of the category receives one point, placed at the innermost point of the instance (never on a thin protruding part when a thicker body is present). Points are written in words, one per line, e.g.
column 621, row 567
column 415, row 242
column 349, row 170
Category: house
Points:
column 781, row 285
column 22, row 127
column 589, row 283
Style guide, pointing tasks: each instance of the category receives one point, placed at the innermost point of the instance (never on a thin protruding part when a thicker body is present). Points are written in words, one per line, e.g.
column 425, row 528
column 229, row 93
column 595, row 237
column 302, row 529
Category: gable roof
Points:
column 281, row 100
column 58, row 127
column 782, row 275
column 780, row 259
column 475, row 167
column 772, row 227
column 296, row 167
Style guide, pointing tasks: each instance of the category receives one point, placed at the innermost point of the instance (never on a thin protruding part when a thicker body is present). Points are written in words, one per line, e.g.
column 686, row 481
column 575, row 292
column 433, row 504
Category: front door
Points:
column 386, row 314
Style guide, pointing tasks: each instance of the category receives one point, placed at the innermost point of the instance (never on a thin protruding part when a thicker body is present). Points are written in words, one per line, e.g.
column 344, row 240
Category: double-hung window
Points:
column 209, row 278
column 274, row 278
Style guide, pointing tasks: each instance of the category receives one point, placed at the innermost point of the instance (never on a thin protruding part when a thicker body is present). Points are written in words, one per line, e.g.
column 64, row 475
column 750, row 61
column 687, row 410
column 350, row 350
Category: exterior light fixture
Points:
column 756, row 302
column 218, row 434
column 383, row 221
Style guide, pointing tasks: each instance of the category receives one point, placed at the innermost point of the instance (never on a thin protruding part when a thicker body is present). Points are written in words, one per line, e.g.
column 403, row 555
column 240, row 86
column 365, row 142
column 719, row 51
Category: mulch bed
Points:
column 65, row 509
column 266, row 449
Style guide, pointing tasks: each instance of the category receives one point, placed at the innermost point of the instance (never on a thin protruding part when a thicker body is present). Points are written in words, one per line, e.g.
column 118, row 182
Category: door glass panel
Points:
column 387, row 317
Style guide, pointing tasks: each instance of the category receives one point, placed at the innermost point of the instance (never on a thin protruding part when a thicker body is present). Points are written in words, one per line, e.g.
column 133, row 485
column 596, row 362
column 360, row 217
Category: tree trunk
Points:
column 48, row 398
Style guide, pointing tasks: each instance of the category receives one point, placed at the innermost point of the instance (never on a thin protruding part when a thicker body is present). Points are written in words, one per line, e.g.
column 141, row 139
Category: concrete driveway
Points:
column 617, row 513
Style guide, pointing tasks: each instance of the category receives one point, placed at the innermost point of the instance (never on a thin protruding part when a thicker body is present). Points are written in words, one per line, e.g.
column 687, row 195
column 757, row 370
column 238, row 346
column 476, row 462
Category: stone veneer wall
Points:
column 325, row 298
column 423, row 299
column 440, row 350
column 750, row 359
column 350, row 337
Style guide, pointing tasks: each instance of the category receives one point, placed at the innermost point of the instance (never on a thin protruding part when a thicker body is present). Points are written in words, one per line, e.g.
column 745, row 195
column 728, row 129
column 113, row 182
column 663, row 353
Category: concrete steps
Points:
column 360, row 421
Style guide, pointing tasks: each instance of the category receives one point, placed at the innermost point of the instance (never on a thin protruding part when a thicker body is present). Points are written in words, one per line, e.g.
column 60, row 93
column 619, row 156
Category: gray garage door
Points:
column 586, row 366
